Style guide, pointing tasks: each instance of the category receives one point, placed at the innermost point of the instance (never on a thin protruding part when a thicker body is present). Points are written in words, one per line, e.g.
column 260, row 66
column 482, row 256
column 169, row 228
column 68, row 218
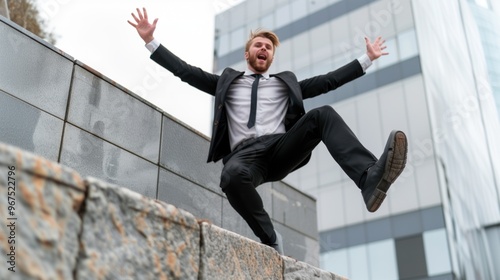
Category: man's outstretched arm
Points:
column 324, row 83
column 143, row 26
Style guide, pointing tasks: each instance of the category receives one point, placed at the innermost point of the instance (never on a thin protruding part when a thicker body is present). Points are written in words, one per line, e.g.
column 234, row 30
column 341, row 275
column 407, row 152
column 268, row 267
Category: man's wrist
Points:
column 365, row 61
column 153, row 45
column 148, row 39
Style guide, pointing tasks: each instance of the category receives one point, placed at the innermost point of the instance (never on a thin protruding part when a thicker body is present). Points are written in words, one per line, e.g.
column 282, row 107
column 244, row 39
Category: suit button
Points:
column 219, row 107
column 216, row 123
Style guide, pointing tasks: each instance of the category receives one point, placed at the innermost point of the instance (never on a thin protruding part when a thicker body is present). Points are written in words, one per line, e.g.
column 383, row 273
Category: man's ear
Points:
column 246, row 55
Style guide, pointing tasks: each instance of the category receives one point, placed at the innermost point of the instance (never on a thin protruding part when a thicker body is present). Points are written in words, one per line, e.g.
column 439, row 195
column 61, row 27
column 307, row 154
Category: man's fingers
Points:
column 145, row 13
column 133, row 24
column 155, row 21
column 136, row 19
column 139, row 13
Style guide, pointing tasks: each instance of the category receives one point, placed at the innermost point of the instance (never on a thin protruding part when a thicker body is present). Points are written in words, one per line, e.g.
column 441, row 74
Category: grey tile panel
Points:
column 378, row 230
column 293, row 209
column 333, row 239
column 266, row 192
column 406, row 224
column 185, row 152
column 298, row 245
column 199, row 201
column 29, row 128
column 34, row 73
column 92, row 156
column 105, row 110
column 356, row 235
column 433, row 218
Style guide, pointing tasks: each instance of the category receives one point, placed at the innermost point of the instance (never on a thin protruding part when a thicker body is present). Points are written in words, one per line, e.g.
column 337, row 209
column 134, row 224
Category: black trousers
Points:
column 273, row 157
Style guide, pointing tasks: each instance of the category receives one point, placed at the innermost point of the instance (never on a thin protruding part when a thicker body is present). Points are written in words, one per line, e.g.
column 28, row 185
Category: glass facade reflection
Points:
column 442, row 217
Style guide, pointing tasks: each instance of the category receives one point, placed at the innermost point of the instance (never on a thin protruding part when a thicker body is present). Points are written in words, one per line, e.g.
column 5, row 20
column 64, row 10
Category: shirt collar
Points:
column 250, row 72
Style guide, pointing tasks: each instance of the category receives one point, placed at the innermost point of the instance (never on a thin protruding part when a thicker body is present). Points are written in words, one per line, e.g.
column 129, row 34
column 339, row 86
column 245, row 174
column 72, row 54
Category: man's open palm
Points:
column 142, row 25
column 376, row 49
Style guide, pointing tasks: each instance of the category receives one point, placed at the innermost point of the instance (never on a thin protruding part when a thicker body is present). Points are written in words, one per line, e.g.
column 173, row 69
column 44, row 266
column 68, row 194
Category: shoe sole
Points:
column 396, row 162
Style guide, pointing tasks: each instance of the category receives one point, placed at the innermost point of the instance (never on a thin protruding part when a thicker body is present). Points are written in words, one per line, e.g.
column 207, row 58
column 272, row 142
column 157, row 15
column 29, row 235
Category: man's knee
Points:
column 234, row 174
column 325, row 112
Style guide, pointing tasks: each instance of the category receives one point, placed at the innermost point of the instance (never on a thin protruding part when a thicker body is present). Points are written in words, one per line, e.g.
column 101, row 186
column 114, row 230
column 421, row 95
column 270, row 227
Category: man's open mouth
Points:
column 262, row 56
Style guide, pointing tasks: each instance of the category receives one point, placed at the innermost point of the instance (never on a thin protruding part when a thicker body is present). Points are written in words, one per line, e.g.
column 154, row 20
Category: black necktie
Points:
column 253, row 104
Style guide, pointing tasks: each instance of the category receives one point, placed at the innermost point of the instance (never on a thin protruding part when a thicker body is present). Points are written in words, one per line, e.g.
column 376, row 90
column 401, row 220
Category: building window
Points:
column 382, row 260
column 411, row 257
column 407, row 43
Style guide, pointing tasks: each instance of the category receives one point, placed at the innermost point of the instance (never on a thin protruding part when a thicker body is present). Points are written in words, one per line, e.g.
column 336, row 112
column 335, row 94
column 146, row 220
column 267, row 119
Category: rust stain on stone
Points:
column 141, row 225
column 194, row 264
column 27, row 194
column 54, row 167
column 158, row 267
column 58, row 197
column 39, row 167
column 78, row 180
column 19, row 160
column 30, row 264
column 160, row 205
column 40, row 184
column 181, row 248
column 118, row 224
column 99, row 273
column 173, row 264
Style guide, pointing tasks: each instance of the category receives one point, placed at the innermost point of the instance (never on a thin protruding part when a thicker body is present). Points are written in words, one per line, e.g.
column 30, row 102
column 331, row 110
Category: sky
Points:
column 96, row 33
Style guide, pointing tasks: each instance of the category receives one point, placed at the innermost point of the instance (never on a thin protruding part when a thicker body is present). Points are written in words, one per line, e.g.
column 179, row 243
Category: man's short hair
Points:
column 264, row 34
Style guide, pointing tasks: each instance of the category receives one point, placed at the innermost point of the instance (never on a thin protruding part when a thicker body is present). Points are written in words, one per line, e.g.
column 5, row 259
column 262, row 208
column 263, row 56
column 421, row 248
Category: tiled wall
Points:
column 57, row 107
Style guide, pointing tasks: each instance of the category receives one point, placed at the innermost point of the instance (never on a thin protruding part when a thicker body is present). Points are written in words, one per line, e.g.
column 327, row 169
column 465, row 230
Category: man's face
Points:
column 260, row 55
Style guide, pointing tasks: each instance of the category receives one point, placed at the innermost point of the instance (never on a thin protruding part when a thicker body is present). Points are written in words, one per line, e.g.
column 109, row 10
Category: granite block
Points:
column 294, row 270
column 226, row 255
column 129, row 236
column 39, row 206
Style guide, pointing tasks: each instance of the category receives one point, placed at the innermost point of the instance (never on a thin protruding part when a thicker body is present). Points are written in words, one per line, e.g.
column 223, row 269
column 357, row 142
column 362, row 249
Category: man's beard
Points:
column 253, row 62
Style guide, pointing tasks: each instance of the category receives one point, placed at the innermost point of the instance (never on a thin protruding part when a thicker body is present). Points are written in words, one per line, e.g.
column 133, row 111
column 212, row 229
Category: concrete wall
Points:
column 63, row 110
column 59, row 225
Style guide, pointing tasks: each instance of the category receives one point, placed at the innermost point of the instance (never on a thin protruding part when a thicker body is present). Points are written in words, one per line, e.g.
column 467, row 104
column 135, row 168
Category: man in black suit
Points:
column 262, row 132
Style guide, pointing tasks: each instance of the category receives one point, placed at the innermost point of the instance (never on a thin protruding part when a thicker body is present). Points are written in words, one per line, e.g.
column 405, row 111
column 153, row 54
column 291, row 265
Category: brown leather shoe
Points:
column 385, row 171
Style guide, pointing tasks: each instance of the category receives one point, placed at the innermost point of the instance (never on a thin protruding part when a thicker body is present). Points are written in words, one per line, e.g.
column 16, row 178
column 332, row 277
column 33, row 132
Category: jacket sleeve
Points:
column 192, row 75
column 324, row 83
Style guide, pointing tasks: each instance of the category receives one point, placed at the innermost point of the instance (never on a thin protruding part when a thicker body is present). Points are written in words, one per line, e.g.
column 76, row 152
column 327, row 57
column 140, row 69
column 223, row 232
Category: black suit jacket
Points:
column 218, row 85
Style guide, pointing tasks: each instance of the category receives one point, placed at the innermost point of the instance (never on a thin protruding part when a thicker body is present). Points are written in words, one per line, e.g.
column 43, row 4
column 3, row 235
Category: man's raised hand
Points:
column 375, row 50
column 142, row 25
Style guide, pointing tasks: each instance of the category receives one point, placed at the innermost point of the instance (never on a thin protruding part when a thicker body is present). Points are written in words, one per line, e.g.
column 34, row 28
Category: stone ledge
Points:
column 294, row 270
column 70, row 228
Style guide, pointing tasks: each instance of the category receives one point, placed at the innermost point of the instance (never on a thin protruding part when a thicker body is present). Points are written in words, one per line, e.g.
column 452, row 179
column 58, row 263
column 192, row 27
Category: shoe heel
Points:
column 376, row 200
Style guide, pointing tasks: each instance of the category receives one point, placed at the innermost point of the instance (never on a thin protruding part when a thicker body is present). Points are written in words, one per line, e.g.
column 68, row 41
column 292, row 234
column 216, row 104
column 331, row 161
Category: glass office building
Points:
column 441, row 219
